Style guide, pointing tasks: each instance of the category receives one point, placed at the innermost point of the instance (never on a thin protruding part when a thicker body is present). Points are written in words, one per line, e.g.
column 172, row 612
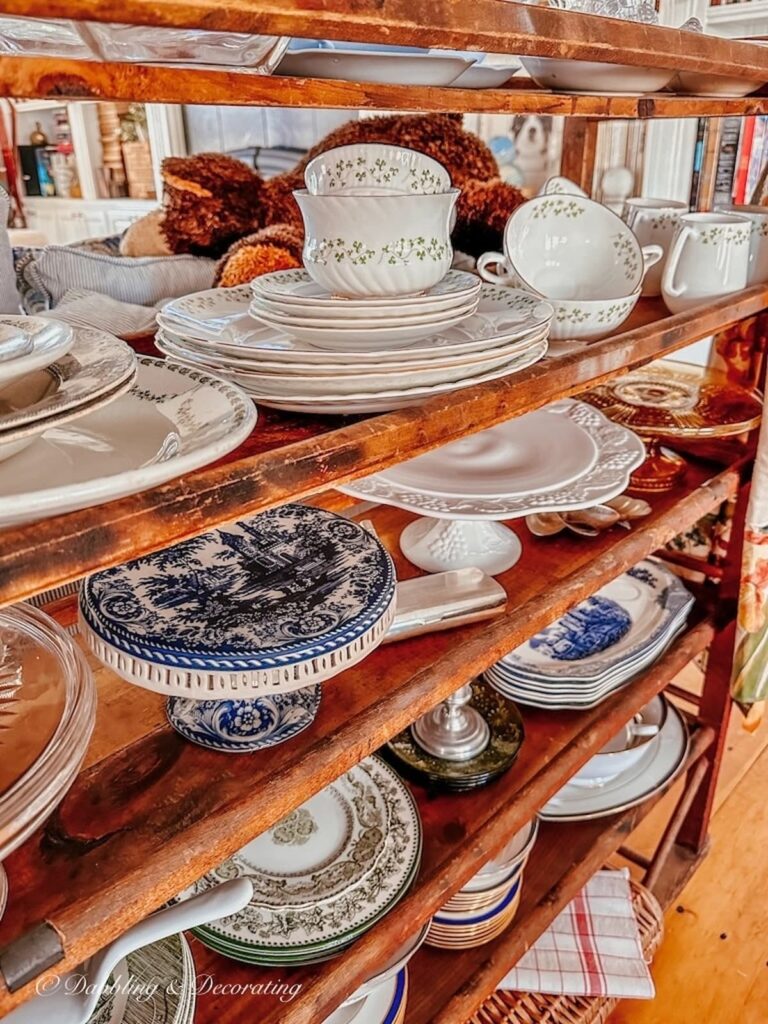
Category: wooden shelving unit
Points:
column 150, row 813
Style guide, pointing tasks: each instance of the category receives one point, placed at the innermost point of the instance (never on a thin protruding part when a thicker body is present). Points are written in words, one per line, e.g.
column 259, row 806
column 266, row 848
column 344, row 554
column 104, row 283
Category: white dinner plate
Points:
column 261, row 310
column 174, row 419
column 364, row 66
column 50, row 339
column 660, row 764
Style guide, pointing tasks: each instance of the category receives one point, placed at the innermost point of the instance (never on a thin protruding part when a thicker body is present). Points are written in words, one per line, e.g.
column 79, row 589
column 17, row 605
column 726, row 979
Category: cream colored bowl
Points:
column 377, row 245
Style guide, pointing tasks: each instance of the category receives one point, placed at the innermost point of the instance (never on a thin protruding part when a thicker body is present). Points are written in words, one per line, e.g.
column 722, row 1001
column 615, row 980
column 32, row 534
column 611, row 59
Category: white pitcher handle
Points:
column 491, row 276
column 651, row 256
column 676, row 250
column 629, row 215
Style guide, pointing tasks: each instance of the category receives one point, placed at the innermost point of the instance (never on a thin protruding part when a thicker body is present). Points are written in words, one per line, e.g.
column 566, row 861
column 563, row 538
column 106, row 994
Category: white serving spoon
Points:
column 77, row 992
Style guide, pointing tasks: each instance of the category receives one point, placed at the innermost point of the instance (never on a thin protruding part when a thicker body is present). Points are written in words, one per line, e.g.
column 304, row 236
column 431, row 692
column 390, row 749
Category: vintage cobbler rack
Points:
column 151, row 813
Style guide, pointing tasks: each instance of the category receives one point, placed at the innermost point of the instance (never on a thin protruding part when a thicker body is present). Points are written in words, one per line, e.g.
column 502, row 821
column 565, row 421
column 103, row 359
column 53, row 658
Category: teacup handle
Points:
column 629, row 215
column 668, row 285
column 651, row 256
column 492, row 277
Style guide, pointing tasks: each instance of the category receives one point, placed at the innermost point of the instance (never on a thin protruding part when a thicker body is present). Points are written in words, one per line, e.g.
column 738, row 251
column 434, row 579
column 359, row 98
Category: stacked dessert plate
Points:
column 599, row 645
column 323, row 875
column 89, row 369
column 364, row 367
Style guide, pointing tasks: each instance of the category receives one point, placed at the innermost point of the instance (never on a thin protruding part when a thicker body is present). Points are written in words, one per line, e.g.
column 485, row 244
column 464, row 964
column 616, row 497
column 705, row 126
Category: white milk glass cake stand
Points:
column 564, row 457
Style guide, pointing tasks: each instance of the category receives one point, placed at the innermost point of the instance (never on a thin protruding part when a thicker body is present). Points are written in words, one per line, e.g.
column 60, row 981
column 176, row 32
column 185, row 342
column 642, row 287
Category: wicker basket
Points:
column 534, row 1008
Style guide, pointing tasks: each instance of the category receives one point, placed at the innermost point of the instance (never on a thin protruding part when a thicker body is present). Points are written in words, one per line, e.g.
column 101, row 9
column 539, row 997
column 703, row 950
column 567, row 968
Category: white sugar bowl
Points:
column 377, row 245
column 570, row 247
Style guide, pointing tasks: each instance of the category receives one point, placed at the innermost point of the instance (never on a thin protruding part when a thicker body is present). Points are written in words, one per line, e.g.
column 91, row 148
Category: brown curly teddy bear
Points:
column 217, row 206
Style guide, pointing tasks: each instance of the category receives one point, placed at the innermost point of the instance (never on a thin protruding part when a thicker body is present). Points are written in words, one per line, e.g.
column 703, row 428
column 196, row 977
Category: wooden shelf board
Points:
column 291, row 458
column 151, row 812
column 84, row 80
column 482, row 25
column 447, row 986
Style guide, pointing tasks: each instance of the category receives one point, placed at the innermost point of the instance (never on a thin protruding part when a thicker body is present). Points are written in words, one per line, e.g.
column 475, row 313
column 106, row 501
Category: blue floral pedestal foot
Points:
column 244, row 726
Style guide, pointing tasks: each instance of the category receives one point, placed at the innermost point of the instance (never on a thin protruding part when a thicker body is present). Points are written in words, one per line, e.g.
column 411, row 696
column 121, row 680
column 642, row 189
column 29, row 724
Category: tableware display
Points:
column 504, row 738
column 332, row 868
column 623, row 751
column 486, row 74
column 76, row 996
column 372, row 169
column 464, row 930
column 394, row 966
column 700, row 83
column 654, row 222
column 172, row 420
column 559, row 186
column 48, row 702
column 361, row 65
column 589, row 522
column 44, row 341
column 265, row 606
column 661, row 763
column 496, row 871
column 595, row 78
column 758, row 238
column 377, row 245
column 669, row 400
column 384, row 1003
column 598, row 646
column 96, row 370
column 560, row 458
column 570, row 247
column 708, row 258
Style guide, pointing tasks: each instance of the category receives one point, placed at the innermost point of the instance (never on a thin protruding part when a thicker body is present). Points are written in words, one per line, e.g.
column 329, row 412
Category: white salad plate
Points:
column 351, row 335
column 388, row 400
column 97, row 369
column 618, row 452
column 655, row 770
column 375, row 168
column 172, row 420
column 47, row 339
column 382, row 68
column 346, row 319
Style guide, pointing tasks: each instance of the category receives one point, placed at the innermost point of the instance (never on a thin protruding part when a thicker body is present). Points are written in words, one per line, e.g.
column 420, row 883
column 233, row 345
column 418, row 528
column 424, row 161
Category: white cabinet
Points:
column 64, row 221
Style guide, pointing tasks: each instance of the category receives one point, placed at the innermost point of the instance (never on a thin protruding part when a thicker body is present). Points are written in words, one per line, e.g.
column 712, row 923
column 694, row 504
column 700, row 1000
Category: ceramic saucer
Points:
column 506, row 738
column 660, row 764
column 244, row 726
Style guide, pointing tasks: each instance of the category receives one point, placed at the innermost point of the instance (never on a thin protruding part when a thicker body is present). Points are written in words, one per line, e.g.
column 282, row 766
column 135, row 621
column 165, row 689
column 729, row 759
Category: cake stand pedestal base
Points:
column 438, row 545
column 661, row 471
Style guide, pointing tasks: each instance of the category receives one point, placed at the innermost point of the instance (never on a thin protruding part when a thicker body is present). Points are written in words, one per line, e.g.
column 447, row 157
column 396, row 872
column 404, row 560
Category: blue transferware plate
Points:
column 289, row 585
column 244, row 726
column 614, row 626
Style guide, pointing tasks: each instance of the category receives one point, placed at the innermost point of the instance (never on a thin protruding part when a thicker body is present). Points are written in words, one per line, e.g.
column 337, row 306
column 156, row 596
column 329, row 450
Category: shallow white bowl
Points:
column 695, row 83
column 377, row 245
column 375, row 169
column 594, row 77
column 580, row 320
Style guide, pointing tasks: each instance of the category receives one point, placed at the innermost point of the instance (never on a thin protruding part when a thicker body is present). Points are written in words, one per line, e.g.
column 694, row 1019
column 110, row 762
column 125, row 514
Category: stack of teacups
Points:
column 486, row 905
column 580, row 257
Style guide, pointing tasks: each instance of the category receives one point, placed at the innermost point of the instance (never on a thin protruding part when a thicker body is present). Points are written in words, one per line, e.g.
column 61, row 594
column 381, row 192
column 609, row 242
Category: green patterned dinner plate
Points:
column 506, row 738
column 342, row 859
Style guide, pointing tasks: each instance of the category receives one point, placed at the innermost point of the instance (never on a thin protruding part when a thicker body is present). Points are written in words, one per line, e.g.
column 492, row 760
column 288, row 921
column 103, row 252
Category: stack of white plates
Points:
column 324, row 874
column 599, row 645
column 323, row 354
column 483, row 908
column 383, row 1003
column 51, row 375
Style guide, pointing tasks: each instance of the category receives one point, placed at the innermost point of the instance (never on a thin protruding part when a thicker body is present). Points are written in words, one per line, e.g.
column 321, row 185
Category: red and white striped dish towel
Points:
column 592, row 948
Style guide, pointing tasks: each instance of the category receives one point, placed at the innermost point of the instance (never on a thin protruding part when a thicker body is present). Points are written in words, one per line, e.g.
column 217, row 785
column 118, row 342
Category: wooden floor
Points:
column 712, row 967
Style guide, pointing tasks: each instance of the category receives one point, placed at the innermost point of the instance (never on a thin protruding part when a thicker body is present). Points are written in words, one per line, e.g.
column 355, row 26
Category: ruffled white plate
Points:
column 50, row 340
column 174, row 419
column 656, row 770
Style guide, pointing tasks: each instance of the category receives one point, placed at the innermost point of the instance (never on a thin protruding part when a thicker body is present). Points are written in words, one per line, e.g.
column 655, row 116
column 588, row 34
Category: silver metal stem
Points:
column 452, row 731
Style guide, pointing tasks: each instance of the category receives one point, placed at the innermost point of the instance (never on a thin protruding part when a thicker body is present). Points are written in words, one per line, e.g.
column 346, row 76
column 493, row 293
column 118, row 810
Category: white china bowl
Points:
column 594, row 77
column 696, row 83
column 569, row 247
column 581, row 320
column 561, row 186
column 375, row 169
column 624, row 750
column 377, row 245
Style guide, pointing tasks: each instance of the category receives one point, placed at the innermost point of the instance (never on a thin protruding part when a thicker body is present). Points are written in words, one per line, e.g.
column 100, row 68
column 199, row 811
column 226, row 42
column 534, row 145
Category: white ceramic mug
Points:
column 758, row 238
column 708, row 258
column 654, row 221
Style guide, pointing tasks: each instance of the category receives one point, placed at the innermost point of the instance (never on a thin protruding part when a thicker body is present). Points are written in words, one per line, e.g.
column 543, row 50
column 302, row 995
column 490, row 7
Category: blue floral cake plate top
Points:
column 291, row 584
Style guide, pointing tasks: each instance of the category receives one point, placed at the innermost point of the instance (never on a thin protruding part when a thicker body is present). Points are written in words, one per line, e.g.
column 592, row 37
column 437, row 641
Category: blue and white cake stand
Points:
column 239, row 626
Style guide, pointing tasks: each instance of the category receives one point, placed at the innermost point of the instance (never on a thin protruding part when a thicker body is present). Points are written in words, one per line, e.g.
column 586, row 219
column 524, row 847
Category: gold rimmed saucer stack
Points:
column 488, row 903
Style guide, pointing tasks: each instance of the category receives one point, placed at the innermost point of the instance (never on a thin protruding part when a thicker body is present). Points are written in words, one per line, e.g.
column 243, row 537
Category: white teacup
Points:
column 708, row 258
column 758, row 238
column 654, row 222
column 624, row 750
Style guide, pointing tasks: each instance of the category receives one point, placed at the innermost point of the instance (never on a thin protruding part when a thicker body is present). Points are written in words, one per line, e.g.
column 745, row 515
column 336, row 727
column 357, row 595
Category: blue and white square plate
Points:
column 270, row 604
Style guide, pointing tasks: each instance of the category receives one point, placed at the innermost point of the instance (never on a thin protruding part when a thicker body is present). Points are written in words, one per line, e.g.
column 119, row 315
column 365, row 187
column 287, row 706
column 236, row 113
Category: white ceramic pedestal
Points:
column 438, row 545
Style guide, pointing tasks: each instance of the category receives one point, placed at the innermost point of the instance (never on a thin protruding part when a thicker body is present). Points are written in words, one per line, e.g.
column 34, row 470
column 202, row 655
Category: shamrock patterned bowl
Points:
column 377, row 245
column 579, row 320
column 570, row 247
column 375, row 169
